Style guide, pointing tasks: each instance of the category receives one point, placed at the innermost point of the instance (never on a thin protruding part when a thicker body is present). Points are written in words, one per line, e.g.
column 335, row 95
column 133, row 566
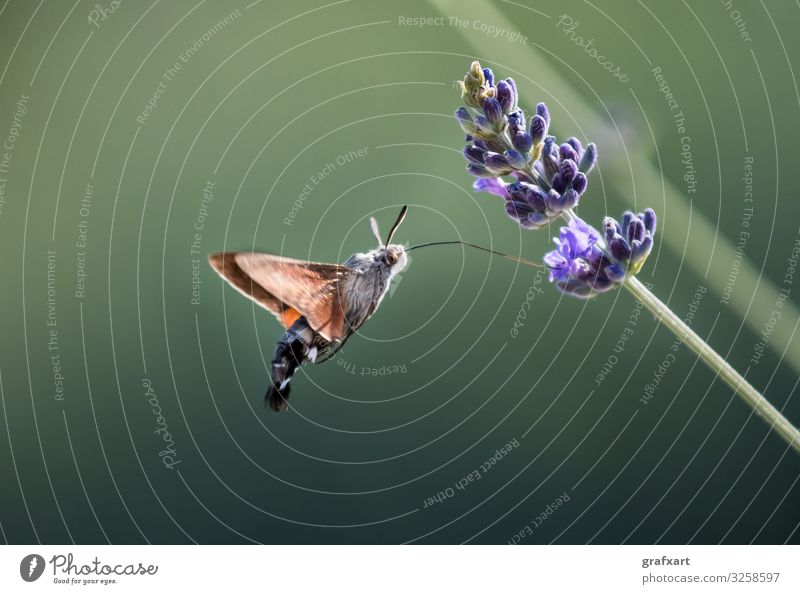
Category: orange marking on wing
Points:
column 289, row 316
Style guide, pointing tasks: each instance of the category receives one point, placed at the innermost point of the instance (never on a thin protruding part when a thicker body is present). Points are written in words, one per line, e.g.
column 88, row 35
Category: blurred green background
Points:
column 306, row 118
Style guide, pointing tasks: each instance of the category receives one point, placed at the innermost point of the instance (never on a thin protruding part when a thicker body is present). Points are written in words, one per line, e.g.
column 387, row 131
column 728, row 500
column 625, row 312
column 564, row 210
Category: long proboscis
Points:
column 478, row 247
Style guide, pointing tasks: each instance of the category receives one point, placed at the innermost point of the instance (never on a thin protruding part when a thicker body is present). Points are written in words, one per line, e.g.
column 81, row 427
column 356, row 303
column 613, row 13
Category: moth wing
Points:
column 289, row 288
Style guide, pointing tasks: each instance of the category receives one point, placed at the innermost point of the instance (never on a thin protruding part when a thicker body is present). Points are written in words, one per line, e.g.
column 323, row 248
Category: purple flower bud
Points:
column 465, row 120
column 609, row 228
column 538, row 129
column 518, row 209
column 579, row 183
column 552, row 202
column 492, row 109
column 650, row 221
column 569, row 199
column 479, row 170
column 576, row 144
column 537, row 199
column 504, row 96
column 516, row 121
column 619, row 248
column 514, row 92
column 567, row 152
column 548, row 159
column 489, row 76
column 473, row 153
column 641, row 249
column 541, row 110
column 558, row 183
column 497, row 164
column 600, row 282
column 589, row 158
column 568, row 169
column 636, row 230
column 627, row 217
column 529, row 193
column 522, row 142
column 515, row 159
column 521, row 190
column 483, row 126
column 535, row 220
column 647, row 247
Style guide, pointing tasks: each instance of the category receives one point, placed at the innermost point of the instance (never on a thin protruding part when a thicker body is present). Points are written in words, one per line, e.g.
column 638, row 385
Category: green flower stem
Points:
column 666, row 316
column 739, row 384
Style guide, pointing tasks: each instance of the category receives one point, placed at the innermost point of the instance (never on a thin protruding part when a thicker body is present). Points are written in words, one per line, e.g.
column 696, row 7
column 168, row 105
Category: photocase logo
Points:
column 31, row 567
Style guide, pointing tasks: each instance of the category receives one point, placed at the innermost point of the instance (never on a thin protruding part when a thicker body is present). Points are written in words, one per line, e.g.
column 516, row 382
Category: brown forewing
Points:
column 289, row 288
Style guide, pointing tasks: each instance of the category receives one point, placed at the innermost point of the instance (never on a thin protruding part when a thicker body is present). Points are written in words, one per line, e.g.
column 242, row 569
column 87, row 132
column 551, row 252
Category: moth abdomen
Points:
column 298, row 345
column 288, row 357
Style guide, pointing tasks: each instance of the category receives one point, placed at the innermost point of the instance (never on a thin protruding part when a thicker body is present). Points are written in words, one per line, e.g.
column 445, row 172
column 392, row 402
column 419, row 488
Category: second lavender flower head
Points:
column 584, row 265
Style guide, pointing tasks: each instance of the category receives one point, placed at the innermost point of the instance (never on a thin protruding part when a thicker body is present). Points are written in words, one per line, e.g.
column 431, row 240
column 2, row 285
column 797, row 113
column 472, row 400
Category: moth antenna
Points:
column 374, row 225
column 399, row 220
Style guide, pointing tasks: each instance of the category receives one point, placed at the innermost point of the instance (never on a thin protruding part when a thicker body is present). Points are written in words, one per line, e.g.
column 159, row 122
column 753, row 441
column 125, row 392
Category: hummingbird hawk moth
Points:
column 319, row 305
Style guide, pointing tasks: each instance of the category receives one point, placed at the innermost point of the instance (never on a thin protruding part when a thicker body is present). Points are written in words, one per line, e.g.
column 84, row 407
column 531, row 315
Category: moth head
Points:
column 393, row 256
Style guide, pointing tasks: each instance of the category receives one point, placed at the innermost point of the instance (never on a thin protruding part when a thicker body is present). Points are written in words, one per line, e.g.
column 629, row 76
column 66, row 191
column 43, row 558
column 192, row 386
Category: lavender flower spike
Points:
column 501, row 142
column 582, row 266
column 546, row 181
